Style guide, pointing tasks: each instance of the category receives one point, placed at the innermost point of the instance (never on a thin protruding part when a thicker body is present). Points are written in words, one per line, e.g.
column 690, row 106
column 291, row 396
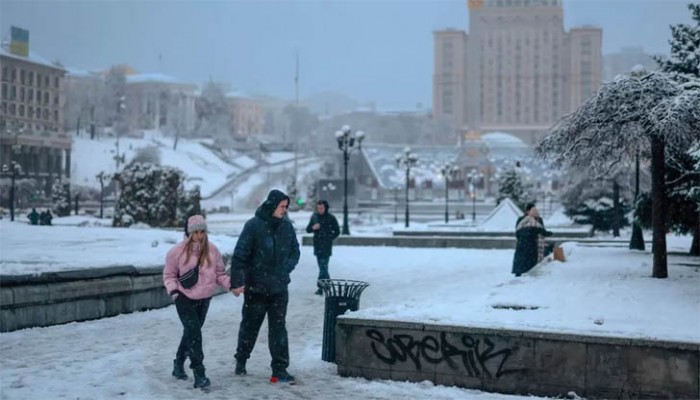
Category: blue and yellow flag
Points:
column 19, row 41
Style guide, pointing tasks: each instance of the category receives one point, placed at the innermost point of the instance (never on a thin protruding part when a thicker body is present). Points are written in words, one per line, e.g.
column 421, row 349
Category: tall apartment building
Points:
column 31, row 115
column 516, row 71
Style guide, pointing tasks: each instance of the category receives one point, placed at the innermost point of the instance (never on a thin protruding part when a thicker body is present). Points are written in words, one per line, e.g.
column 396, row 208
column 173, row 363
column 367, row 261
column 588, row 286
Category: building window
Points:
column 38, row 96
column 4, row 107
column 46, row 114
column 30, row 95
column 13, row 75
column 22, row 76
column 55, row 116
column 46, row 98
column 31, row 78
column 21, row 110
column 30, row 112
column 55, row 101
column 12, row 109
column 21, row 94
column 4, row 91
column 13, row 92
column 5, row 73
column 46, row 81
column 55, row 82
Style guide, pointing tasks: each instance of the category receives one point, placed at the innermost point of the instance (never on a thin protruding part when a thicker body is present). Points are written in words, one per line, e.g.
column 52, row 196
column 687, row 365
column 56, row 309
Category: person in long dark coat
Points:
column 529, row 248
column 325, row 228
column 266, row 253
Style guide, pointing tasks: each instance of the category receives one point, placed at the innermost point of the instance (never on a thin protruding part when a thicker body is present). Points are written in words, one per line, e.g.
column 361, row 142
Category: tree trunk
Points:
column 637, row 239
column 658, row 206
column 616, row 209
column 695, row 246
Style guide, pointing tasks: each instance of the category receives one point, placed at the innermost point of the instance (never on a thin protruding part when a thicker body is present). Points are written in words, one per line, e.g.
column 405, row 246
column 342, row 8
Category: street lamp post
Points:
column 13, row 169
column 406, row 160
column 449, row 171
column 101, row 177
column 473, row 176
column 346, row 143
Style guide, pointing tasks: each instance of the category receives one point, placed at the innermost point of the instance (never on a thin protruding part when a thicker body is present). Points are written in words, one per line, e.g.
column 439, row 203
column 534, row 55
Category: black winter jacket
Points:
column 323, row 238
column 266, row 252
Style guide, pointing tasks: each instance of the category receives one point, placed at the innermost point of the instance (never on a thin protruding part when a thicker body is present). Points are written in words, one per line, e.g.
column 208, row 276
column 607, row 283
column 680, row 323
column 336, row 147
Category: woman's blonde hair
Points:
column 204, row 255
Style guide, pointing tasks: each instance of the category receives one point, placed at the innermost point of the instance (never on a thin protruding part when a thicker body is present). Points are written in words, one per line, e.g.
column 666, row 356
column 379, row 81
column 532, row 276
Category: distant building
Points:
column 31, row 114
column 516, row 71
column 624, row 60
column 247, row 115
column 158, row 101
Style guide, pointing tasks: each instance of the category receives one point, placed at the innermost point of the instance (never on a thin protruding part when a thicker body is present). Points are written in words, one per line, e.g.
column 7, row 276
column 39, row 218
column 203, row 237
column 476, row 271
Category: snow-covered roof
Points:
column 151, row 77
column 238, row 94
column 32, row 58
column 80, row 73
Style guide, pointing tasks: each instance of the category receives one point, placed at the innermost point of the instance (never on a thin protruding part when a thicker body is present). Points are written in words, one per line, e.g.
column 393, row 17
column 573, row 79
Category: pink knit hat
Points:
column 196, row 223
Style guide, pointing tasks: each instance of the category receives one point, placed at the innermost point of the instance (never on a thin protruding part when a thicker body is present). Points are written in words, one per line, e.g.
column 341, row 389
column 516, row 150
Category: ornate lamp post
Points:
column 101, row 177
column 473, row 175
column 13, row 169
column 449, row 171
column 406, row 160
column 346, row 143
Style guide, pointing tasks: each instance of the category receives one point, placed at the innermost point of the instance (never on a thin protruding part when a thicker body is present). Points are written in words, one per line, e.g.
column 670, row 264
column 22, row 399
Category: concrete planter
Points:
column 518, row 362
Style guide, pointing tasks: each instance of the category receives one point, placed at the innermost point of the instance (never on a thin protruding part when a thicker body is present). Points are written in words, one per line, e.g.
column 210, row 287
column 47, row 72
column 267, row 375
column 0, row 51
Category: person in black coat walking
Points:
column 325, row 228
column 266, row 253
column 530, row 244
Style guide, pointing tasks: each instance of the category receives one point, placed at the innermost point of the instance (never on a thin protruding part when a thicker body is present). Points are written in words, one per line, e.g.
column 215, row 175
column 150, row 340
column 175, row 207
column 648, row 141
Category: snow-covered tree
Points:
column 149, row 194
column 511, row 185
column 626, row 116
column 148, row 154
column 60, row 196
column 189, row 203
column 684, row 61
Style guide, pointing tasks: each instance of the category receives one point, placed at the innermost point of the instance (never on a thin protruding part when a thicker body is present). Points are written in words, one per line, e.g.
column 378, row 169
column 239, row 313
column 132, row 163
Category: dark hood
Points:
column 274, row 198
column 325, row 204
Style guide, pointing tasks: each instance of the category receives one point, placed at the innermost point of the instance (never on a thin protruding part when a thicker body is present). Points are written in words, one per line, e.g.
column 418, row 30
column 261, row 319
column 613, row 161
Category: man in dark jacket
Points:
column 266, row 253
column 325, row 228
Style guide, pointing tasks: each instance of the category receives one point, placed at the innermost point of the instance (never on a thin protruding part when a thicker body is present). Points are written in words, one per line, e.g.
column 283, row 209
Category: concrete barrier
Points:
column 518, row 362
column 57, row 298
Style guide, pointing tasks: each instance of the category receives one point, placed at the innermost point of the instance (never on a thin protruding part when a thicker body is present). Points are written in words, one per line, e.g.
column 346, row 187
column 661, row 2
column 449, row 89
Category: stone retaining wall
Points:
column 61, row 297
column 518, row 362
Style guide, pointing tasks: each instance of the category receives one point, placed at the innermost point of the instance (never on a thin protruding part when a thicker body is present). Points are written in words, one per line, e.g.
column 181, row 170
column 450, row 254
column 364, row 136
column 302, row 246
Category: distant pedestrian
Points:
column 33, row 217
column 325, row 228
column 45, row 218
column 266, row 253
column 196, row 253
column 530, row 244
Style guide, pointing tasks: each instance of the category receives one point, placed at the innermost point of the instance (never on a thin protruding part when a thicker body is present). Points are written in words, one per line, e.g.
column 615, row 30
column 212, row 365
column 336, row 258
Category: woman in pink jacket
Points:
column 192, row 304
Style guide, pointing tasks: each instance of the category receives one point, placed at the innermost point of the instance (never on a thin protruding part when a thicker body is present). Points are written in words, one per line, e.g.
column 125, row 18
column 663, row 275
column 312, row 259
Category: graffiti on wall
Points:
column 469, row 352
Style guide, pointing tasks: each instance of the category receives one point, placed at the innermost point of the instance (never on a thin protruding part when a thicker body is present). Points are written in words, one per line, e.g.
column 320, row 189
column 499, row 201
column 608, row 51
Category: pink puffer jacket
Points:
column 210, row 274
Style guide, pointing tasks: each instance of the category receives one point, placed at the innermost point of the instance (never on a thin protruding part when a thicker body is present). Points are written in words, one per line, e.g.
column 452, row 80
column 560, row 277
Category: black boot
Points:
column 240, row 368
column 179, row 369
column 200, row 380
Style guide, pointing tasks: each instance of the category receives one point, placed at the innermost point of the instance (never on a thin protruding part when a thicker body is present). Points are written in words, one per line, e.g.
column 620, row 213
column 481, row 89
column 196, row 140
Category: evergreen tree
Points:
column 684, row 62
column 510, row 185
column 60, row 196
column 149, row 194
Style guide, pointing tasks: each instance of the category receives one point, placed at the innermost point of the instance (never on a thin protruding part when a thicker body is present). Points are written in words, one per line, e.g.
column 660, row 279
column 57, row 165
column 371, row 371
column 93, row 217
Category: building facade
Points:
column 157, row 101
column 516, row 71
column 31, row 119
column 247, row 115
column 624, row 60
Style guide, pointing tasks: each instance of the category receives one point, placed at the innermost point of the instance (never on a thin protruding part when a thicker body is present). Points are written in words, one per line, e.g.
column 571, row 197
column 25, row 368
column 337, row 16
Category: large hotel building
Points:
column 517, row 70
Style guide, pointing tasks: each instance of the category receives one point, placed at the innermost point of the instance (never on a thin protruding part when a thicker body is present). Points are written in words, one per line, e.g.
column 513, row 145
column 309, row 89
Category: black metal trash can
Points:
column 341, row 295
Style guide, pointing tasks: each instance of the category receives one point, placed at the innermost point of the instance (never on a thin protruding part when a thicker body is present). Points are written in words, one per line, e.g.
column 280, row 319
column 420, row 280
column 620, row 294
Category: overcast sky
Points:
column 379, row 51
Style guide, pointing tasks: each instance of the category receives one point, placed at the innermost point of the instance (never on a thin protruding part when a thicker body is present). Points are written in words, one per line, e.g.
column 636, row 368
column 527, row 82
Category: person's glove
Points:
column 174, row 294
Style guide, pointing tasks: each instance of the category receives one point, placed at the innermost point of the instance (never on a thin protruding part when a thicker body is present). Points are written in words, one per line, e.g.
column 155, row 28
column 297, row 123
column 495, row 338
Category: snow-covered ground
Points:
column 599, row 290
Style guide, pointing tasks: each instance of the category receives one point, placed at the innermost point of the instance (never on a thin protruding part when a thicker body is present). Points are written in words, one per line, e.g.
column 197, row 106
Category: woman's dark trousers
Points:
column 192, row 314
column 255, row 307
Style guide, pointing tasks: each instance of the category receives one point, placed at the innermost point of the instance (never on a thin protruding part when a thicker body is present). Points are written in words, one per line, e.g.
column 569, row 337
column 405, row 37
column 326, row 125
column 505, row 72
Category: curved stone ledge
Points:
column 518, row 362
column 61, row 297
